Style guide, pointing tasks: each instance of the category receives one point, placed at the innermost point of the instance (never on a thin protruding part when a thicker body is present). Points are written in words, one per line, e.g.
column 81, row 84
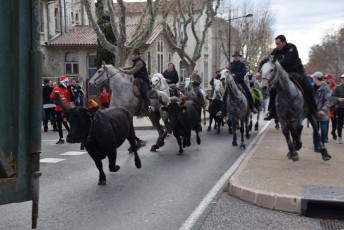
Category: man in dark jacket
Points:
column 48, row 106
column 139, row 70
column 288, row 56
column 172, row 78
column 238, row 69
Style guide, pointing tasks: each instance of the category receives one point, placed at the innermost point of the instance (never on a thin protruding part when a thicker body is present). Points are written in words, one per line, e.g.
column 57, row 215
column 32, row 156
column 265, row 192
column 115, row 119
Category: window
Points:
column 42, row 17
column 77, row 19
column 72, row 16
column 160, row 57
column 149, row 69
column 71, row 63
column 57, row 19
column 92, row 69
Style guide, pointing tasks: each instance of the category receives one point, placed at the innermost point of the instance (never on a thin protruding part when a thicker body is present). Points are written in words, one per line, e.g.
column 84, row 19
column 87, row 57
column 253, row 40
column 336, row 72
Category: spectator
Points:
column 338, row 97
column 322, row 99
column 104, row 99
column 78, row 93
column 48, row 106
column 332, row 113
column 64, row 94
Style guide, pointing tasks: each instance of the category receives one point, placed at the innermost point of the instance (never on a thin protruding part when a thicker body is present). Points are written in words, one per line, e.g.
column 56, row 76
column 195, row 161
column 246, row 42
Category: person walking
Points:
column 288, row 56
column 338, row 98
column 139, row 70
column 65, row 96
column 172, row 78
column 322, row 99
column 333, row 116
column 104, row 99
column 48, row 106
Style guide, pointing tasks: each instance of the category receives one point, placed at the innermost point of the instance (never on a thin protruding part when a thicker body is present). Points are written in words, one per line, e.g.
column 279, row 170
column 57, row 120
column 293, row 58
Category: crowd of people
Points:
column 325, row 98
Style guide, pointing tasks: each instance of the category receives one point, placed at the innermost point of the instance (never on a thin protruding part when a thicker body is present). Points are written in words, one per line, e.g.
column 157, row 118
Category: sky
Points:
column 305, row 22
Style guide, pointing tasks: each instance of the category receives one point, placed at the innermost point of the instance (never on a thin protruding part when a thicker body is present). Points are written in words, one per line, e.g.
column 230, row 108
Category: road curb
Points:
column 198, row 216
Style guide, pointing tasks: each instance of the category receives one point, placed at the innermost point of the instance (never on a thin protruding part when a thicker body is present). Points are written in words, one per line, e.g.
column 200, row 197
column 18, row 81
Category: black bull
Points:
column 102, row 132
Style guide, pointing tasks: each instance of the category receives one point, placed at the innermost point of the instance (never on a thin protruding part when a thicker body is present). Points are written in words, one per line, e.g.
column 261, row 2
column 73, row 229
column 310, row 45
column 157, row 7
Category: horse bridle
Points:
column 107, row 77
column 229, row 83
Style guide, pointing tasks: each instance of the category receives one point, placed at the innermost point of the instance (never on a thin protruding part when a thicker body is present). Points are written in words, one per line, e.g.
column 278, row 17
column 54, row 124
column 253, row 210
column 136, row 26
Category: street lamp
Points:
column 229, row 31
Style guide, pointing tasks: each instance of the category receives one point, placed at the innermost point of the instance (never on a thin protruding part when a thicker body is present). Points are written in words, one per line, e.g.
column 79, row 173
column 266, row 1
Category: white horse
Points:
column 160, row 83
column 125, row 93
column 237, row 108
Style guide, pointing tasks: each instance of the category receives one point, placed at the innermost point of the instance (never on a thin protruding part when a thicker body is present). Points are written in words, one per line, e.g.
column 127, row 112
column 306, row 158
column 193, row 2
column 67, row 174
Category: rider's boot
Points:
column 271, row 114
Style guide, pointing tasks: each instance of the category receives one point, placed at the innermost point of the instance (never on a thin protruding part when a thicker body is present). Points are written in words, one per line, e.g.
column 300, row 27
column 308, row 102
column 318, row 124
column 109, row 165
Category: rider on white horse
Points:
column 172, row 78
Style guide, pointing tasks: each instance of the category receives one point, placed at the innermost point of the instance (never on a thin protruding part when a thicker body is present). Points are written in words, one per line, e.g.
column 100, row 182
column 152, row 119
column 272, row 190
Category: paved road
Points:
column 161, row 195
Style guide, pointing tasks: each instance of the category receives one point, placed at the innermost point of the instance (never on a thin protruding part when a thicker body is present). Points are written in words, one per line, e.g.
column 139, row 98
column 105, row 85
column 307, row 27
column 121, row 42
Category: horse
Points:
column 188, row 89
column 291, row 107
column 160, row 83
column 125, row 93
column 237, row 108
column 215, row 106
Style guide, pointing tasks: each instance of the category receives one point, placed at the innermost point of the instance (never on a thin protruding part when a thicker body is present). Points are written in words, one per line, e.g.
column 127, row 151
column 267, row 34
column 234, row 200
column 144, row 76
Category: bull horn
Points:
column 59, row 102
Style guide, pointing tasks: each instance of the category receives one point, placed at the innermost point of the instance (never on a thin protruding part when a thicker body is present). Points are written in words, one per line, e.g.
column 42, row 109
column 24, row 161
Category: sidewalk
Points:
column 268, row 179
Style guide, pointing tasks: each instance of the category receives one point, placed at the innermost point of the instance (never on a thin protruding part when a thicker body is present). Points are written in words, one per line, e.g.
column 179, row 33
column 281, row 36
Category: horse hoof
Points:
column 180, row 152
column 298, row 146
column 256, row 128
column 138, row 164
column 102, row 182
column 114, row 168
column 248, row 136
column 325, row 155
column 242, row 146
column 234, row 144
column 161, row 143
column 295, row 158
column 153, row 148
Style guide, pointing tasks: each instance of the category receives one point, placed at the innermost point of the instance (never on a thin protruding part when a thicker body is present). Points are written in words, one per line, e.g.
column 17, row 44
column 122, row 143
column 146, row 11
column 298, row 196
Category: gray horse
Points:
column 291, row 107
column 124, row 93
column 237, row 108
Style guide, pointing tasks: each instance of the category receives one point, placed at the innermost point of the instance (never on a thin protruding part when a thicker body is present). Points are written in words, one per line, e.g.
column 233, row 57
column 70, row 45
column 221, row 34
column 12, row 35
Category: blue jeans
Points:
column 322, row 125
column 199, row 94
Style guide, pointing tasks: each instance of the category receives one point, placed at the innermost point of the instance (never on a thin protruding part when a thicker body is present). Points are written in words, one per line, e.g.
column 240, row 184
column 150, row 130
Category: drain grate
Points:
column 331, row 225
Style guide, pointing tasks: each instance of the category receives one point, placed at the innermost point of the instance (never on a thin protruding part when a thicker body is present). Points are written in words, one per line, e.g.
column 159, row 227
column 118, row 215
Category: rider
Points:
column 238, row 69
column 172, row 78
column 139, row 70
column 288, row 57
column 217, row 77
column 196, row 84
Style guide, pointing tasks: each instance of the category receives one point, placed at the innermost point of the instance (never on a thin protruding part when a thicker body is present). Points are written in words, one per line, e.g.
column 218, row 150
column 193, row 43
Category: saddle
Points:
column 296, row 79
column 152, row 94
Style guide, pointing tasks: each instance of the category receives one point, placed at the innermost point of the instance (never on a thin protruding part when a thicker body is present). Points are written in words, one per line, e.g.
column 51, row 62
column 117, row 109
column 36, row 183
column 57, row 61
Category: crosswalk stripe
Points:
column 51, row 160
column 72, row 153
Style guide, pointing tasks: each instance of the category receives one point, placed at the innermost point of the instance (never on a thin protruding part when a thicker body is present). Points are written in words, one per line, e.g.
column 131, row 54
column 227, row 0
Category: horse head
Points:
column 268, row 71
column 226, row 75
column 218, row 88
column 156, row 80
column 103, row 75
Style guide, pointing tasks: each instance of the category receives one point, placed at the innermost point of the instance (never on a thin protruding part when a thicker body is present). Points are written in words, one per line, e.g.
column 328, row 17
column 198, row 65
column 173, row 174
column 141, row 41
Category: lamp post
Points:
column 229, row 31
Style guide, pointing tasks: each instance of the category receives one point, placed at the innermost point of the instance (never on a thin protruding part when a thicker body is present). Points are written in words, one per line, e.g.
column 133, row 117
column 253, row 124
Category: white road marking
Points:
column 51, row 160
column 204, row 207
column 73, row 153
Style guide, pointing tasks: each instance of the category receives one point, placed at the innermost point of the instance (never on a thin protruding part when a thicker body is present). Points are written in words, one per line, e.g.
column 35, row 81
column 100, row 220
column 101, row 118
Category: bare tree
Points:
column 187, row 17
column 118, row 23
column 251, row 36
column 328, row 57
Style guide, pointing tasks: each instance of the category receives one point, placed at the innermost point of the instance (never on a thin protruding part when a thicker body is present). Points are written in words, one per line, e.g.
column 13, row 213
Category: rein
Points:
column 107, row 77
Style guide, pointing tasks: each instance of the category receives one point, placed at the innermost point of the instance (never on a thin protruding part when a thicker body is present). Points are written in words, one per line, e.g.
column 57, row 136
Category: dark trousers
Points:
column 59, row 122
column 49, row 114
column 322, row 125
column 144, row 92
column 340, row 121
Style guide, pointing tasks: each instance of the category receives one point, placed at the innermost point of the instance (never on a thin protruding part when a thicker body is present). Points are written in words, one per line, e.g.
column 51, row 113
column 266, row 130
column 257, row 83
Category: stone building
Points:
column 69, row 44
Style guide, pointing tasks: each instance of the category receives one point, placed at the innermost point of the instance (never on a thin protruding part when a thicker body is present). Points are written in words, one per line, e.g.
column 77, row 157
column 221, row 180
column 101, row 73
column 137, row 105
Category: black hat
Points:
column 236, row 53
column 136, row 51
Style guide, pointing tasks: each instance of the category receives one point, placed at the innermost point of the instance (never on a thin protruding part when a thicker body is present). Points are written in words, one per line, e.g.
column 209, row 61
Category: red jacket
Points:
column 64, row 95
column 104, row 98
